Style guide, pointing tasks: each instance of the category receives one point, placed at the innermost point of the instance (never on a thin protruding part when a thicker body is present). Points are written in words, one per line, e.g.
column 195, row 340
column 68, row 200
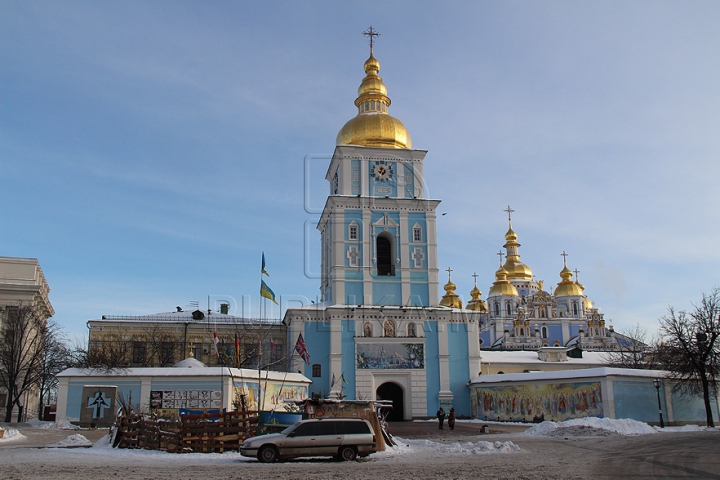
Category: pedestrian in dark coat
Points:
column 441, row 417
column 451, row 419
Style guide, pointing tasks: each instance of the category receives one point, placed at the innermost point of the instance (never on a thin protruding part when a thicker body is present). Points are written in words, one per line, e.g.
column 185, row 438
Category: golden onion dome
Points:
column 373, row 126
column 567, row 286
column 516, row 270
column 450, row 299
column 476, row 303
column 502, row 286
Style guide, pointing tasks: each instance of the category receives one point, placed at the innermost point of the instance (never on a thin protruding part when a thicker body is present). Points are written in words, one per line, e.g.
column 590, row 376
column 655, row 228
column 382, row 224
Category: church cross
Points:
column 449, row 270
column 370, row 32
column 509, row 211
column 576, row 271
column 475, row 275
column 564, row 255
column 501, row 257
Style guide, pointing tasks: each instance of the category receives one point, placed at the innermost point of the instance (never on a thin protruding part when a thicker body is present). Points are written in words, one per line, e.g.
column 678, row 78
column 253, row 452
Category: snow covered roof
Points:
column 565, row 374
column 531, row 356
column 190, row 362
column 236, row 373
column 187, row 316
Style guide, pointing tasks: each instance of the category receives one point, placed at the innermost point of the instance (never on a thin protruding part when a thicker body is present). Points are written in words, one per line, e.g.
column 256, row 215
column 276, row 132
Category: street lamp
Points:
column 656, row 382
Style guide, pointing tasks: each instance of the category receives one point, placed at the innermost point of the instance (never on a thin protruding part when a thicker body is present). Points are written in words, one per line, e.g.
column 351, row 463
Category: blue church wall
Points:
column 486, row 340
column 409, row 172
column 75, row 400
column 636, row 400
column 459, row 374
column 419, row 295
column 356, row 182
column 690, row 409
column 348, row 359
column 418, row 218
column 419, row 276
column 350, row 216
column 432, row 368
column 317, row 340
column 354, row 293
column 352, row 273
column 386, row 293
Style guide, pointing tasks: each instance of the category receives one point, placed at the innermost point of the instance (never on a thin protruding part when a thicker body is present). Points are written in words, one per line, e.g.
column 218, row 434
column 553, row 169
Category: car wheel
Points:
column 347, row 454
column 267, row 454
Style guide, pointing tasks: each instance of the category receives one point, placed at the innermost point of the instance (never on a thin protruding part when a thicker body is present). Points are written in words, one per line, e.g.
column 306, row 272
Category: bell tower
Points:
column 378, row 231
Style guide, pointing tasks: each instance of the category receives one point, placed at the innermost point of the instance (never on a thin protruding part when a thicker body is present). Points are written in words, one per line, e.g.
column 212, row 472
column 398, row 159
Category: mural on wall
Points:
column 537, row 403
column 390, row 356
column 177, row 399
column 98, row 406
column 274, row 394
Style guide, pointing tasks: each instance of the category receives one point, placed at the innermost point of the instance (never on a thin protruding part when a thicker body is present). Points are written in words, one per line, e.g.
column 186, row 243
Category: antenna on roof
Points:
column 194, row 304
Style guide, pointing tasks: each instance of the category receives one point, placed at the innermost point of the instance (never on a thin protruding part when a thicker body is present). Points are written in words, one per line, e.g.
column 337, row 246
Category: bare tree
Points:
column 162, row 346
column 690, row 348
column 21, row 345
column 114, row 352
column 632, row 349
column 56, row 357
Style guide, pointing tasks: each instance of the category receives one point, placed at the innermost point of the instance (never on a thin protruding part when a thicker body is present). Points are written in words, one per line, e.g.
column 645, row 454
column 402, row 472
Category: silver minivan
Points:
column 342, row 438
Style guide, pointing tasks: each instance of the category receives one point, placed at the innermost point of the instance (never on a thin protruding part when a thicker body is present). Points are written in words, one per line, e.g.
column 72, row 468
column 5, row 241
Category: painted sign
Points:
column 177, row 399
column 274, row 394
column 537, row 403
column 390, row 356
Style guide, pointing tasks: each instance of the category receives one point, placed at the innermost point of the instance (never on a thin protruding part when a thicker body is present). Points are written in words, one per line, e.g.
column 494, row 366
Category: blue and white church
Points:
column 380, row 330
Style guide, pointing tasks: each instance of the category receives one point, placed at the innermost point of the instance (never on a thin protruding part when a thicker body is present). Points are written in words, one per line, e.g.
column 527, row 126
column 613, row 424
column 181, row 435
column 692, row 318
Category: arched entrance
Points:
column 394, row 392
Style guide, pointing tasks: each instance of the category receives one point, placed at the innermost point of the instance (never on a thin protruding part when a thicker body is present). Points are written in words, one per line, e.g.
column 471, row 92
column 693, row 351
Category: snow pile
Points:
column 64, row 424
column 684, row 428
column 75, row 440
column 590, row 427
column 11, row 435
column 405, row 447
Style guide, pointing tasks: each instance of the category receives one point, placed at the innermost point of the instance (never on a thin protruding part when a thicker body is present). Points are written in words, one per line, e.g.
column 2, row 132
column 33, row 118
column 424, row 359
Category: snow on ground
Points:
column 406, row 446
column 590, row 427
column 75, row 440
column 11, row 435
column 61, row 424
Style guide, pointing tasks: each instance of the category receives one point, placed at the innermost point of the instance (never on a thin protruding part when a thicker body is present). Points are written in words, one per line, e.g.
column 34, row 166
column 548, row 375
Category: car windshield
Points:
column 290, row 428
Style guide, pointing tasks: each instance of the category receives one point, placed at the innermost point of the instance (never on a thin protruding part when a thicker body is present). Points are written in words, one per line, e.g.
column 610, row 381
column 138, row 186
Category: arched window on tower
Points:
column 497, row 309
column 544, row 331
column 575, row 309
column 385, row 264
column 508, row 309
column 389, row 329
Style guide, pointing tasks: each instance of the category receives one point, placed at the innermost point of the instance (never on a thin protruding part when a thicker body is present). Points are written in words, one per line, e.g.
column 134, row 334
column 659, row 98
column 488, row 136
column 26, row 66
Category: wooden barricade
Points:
column 206, row 432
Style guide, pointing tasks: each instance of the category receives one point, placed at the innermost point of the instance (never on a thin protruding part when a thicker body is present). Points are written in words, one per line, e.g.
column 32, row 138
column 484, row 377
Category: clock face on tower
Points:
column 383, row 172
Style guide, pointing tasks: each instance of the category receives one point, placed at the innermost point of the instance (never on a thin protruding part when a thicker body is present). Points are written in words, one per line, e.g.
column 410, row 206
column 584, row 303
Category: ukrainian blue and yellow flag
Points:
column 266, row 292
column 262, row 268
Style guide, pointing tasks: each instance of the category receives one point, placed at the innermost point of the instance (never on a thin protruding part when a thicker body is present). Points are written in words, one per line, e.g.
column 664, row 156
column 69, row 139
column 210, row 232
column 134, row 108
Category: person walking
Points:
column 451, row 419
column 441, row 417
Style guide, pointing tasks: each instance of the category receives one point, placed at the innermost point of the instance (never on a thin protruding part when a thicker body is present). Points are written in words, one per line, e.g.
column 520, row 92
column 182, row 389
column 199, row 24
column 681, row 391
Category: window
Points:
column 575, row 309
column 139, row 352
column 353, row 231
column 326, row 428
column 166, row 353
column 385, row 264
column 544, row 332
column 197, row 350
column 316, row 370
column 306, row 429
column 497, row 309
column 417, row 233
column 508, row 309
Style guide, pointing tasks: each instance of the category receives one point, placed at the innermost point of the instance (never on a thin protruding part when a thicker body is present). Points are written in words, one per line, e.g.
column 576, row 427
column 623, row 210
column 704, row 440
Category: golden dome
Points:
column 476, row 304
column 450, row 299
column 567, row 286
column 373, row 127
column 516, row 270
column 502, row 286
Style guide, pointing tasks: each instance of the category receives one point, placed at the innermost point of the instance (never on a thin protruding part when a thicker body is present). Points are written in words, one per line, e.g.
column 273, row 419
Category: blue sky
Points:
column 150, row 151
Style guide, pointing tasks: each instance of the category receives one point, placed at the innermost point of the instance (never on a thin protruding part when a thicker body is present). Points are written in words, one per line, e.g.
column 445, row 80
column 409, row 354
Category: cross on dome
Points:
column 501, row 256
column 509, row 211
column 449, row 270
column 370, row 32
column 564, row 255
